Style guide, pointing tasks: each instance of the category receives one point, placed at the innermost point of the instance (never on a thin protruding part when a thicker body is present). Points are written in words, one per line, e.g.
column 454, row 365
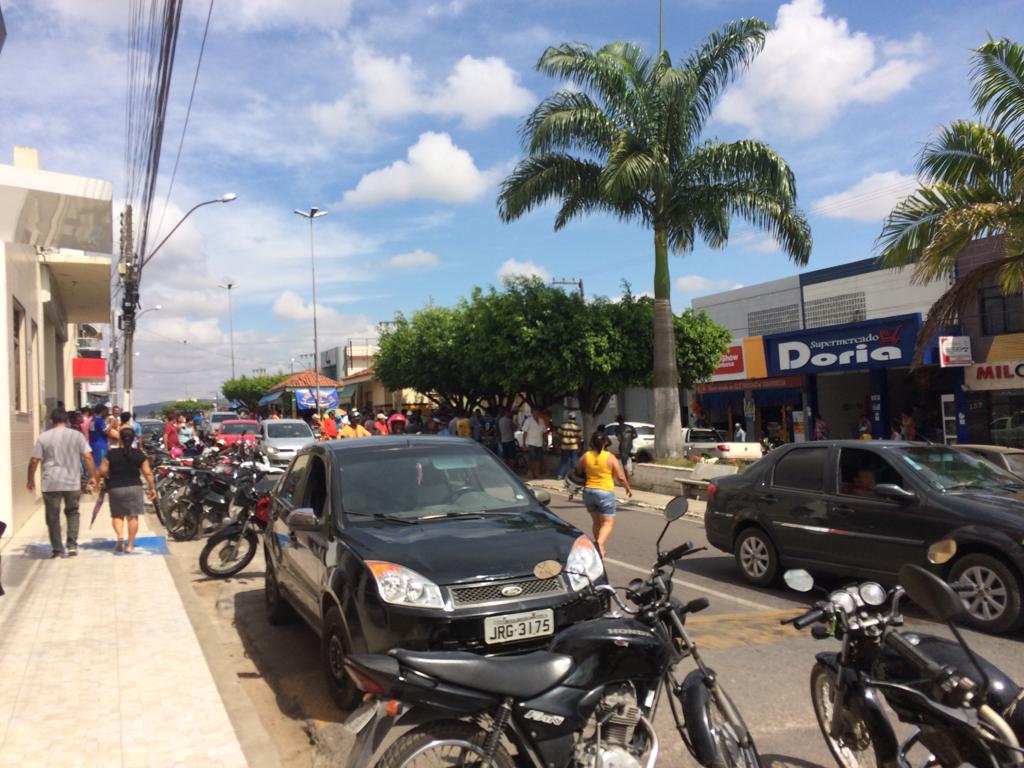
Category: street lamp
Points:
column 231, row 324
column 222, row 199
column 156, row 308
column 314, row 213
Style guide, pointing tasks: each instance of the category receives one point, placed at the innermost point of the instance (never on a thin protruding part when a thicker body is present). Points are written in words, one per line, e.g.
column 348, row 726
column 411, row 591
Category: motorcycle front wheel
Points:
column 226, row 555
column 443, row 743
column 855, row 748
column 717, row 743
column 182, row 524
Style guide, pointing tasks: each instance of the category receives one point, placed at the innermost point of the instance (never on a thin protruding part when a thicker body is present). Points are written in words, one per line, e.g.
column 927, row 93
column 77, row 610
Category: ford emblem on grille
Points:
column 511, row 590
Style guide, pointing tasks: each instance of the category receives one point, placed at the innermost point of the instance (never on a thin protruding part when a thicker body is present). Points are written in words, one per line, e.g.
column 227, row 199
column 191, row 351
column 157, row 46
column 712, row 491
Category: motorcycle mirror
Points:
column 799, row 580
column 941, row 552
column 676, row 508
column 934, row 596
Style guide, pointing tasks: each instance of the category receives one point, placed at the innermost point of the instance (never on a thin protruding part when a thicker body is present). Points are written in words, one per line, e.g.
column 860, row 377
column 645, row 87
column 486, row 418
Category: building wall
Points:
column 867, row 296
column 756, row 310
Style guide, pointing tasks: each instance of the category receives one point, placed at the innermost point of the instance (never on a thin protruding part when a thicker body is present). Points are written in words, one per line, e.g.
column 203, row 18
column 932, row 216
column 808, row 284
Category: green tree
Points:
column 249, row 389
column 186, row 407
column 973, row 174
column 626, row 140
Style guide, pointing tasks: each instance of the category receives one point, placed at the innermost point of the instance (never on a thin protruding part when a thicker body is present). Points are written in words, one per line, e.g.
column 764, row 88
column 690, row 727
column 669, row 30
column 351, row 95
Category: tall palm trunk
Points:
column 668, row 437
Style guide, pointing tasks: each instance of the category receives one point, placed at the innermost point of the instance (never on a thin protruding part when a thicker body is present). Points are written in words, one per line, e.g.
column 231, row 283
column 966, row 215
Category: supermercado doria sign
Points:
column 884, row 343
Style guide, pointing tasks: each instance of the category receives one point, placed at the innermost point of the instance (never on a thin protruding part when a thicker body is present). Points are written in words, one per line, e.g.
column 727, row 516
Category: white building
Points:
column 56, row 240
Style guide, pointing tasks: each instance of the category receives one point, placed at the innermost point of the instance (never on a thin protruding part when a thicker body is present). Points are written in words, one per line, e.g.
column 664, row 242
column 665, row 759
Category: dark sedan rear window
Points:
column 801, row 468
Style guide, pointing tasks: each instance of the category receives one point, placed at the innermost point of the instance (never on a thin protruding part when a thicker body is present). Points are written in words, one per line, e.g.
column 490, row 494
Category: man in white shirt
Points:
column 534, row 429
column 61, row 451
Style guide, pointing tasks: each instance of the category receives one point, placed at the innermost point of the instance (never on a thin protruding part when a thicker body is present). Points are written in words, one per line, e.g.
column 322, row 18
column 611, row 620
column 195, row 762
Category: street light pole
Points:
column 231, row 325
column 314, row 213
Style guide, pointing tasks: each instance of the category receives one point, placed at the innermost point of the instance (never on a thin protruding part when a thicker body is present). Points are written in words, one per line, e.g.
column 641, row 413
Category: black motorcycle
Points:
column 966, row 710
column 588, row 701
column 233, row 547
column 204, row 505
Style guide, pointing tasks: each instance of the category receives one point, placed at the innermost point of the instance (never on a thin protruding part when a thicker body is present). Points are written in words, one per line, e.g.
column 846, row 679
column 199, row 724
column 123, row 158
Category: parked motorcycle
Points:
column 589, row 701
column 966, row 710
column 233, row 547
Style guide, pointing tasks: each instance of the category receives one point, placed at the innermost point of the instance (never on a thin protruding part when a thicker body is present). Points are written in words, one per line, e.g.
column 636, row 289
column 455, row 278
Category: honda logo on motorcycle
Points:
column 856, row 346
column 512, row 590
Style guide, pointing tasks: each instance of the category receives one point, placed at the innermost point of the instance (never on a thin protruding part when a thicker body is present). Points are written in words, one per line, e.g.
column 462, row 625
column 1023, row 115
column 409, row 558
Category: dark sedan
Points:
column 862, row 509
column 422, row 543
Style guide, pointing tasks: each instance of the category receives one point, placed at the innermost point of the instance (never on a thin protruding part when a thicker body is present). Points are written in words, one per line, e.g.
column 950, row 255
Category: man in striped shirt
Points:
column 570, row 438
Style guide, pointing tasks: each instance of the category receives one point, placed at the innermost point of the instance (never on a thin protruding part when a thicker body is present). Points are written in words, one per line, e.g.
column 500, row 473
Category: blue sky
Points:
column 400, row 118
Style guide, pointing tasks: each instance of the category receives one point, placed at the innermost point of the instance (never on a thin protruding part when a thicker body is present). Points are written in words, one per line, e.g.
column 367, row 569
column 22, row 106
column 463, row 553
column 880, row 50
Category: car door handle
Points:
column 768, row 498
column 843, row 509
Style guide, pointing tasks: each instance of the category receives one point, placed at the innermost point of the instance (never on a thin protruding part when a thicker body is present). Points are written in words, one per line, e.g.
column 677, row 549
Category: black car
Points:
column 864, row 508
column 422, row 543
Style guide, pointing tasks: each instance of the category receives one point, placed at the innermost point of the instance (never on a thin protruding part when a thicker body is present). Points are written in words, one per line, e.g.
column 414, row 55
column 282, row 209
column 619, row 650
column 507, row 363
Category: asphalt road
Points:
column 763, row 665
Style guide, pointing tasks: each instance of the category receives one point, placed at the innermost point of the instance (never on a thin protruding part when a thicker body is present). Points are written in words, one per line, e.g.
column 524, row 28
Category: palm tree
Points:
column 973, row 174
column 625, row 139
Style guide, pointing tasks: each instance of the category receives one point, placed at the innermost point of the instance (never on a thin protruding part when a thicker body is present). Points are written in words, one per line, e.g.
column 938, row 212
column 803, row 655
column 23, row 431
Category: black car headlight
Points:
column 399, row 585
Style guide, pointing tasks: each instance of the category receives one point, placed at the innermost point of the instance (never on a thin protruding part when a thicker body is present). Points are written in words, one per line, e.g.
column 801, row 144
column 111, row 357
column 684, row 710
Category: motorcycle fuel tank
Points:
column 611, row 650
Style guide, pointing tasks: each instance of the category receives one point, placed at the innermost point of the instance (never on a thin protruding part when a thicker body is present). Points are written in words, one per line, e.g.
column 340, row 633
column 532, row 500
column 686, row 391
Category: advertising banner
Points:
column 731, row 362
column 305, row 398
column 1008, row 374
column 884, row 343
column 955, row 351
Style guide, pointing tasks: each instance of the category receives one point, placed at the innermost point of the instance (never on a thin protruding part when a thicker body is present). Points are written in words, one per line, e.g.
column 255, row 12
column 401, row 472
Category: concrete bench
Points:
column 702, row 475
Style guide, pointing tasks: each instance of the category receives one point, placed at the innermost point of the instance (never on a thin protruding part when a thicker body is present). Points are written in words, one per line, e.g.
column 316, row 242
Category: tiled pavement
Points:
column 99, row 662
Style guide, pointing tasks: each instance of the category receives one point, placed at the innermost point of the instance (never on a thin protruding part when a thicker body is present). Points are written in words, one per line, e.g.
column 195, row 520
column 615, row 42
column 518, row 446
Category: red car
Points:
column 237, row 430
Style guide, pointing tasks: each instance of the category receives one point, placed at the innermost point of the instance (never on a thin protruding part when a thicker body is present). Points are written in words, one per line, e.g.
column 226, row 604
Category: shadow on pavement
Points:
column 784, row 761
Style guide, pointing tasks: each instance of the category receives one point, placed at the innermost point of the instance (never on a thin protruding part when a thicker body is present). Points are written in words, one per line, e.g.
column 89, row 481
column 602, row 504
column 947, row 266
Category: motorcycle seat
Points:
column 521, row 677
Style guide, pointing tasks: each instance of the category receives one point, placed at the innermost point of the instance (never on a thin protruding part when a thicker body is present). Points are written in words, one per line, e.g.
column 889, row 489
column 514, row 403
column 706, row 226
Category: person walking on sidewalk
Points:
column 570, row 436
column 534, row 430
column 627, row 434
column 124, row 488
column 99, row 434
column 601, row 469
column 61, row 450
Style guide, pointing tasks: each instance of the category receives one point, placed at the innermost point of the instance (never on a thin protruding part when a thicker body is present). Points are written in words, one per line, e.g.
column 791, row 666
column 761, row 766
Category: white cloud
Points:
column 290, row 306
column 749, row 241
column 418, row 259
column 516, row 268
column 244, row 14
column 811, row 68
column 700, row 284
column 388, row 89
column 870, row 200
column 435, row 169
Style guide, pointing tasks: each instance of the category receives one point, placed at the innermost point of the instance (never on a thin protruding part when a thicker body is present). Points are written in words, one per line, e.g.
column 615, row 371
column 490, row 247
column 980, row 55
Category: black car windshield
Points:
column 288, row 430
column 425, row 482
column 951, row 470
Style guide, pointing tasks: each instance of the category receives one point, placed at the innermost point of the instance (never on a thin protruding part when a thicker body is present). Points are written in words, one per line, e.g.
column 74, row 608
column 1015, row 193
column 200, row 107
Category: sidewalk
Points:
column 99, row 662
column 640, row 498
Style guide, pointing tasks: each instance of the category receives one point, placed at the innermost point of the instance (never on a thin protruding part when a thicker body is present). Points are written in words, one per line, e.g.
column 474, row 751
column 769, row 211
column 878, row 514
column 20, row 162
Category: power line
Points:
column 188, row 114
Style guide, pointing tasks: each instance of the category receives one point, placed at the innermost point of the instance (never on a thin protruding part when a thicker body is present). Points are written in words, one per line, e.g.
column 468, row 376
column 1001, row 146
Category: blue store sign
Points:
column 885, row 343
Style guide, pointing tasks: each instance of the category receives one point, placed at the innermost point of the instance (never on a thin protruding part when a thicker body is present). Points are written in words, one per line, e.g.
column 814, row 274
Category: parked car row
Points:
column 706, row 443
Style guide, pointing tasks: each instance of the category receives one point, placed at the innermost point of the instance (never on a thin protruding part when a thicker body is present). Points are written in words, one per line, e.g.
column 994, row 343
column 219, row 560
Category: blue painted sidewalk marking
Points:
column 144, row 545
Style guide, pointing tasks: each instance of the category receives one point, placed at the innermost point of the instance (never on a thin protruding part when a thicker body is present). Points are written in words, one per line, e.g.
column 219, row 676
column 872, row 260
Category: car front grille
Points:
column 491, row 592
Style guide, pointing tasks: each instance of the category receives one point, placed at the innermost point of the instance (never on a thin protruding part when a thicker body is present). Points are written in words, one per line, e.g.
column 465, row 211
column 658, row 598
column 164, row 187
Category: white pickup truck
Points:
column 710, row 444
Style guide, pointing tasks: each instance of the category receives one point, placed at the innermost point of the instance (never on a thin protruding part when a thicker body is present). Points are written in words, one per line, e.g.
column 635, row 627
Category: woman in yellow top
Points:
column 601, row 469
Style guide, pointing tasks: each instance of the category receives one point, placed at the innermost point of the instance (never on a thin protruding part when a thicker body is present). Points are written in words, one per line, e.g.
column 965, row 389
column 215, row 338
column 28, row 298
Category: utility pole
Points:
column 576, row 281
column 661, row 15
column 129, row 303
column 231, row 325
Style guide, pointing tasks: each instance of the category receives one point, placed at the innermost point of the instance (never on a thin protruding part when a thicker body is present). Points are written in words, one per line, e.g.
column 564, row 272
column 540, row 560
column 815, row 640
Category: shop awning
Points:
column 347, row 392
column 272, row 397
column 305, row 399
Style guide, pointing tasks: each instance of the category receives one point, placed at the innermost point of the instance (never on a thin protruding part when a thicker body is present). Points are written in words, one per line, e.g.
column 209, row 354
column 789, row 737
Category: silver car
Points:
column 282, row 438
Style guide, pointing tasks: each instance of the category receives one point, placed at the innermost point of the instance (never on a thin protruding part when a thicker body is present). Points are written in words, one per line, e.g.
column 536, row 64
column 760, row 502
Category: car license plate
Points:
column 519, row 626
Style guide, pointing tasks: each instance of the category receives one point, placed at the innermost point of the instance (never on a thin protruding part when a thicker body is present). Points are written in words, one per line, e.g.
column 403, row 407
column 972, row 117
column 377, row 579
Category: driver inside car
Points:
column 863, row 483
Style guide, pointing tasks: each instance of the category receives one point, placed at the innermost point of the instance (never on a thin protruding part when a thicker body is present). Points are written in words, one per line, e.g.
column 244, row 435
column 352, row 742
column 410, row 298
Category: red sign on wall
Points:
column 89, row 368
column 731, row 362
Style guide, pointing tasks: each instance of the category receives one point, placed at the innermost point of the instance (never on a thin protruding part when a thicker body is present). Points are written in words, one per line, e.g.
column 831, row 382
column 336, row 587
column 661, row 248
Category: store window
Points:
column 18, row 330
column 802, row 468
column 860, row 471
column 1001, row 313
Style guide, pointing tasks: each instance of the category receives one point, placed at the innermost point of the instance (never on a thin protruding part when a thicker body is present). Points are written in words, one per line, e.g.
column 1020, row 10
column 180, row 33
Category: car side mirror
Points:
column 894, row 492
column 303, row 519
column 541, row 495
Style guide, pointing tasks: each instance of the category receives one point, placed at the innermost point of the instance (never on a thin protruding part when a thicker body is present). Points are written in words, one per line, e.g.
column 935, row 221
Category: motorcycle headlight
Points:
column 402, row 586
column 584, row 564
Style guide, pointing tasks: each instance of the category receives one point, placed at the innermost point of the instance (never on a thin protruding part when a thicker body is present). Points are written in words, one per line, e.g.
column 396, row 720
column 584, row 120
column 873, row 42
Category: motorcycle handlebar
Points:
column 805, row 619
column 672, row 555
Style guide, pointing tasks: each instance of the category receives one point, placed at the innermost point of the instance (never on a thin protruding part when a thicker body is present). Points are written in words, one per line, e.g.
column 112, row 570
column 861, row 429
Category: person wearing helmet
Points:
column 397, row 423
column 354, row 427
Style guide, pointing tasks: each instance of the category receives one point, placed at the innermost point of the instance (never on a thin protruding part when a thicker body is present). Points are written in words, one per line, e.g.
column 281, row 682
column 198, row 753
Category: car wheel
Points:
column 279, row 610
column 994, row 602
column 643, row 457
column 344, row 692
column 756, row 557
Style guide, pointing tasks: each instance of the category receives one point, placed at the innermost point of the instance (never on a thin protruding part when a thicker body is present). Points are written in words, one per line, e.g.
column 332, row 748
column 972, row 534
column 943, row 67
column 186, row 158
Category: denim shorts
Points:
column 599, row 502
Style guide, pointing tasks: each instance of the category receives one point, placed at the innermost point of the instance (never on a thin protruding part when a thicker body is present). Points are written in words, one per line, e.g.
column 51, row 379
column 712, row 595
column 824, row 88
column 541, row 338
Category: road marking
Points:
column 690, row 585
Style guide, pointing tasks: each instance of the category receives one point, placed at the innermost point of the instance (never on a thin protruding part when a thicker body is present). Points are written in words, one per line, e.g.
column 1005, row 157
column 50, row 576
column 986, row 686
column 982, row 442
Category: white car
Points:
column 709, row 443
column 643, row 444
